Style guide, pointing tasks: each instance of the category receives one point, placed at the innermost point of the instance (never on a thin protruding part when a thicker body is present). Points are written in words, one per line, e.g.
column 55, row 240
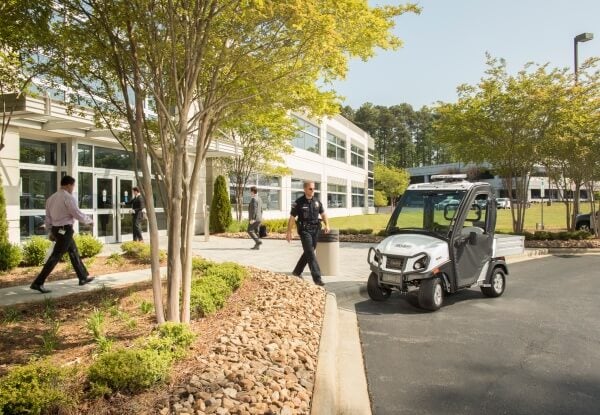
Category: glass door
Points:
column 105, row 209
column 124, row 216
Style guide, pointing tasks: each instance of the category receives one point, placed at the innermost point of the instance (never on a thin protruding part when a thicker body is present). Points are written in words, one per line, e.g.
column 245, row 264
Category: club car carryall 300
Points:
column 440, row 240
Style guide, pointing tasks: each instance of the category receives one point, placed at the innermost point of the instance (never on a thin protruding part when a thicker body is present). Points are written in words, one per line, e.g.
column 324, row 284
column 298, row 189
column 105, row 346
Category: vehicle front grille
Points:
column 394, row 263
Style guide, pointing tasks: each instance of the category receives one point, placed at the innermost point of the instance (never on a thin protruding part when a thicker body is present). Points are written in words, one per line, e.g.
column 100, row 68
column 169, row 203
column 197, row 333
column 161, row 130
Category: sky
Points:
column 445, row 46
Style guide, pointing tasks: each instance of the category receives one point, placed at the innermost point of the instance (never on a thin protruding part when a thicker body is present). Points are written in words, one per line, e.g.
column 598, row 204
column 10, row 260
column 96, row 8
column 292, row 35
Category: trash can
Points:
column 328, row 252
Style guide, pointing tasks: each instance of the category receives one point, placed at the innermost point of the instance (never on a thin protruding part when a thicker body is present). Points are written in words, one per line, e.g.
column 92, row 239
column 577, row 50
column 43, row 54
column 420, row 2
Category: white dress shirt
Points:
column 62, row 209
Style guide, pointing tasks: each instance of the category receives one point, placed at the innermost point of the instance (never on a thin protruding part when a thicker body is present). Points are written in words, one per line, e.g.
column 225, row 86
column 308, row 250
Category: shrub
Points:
column 382, row 233
column 366, row 231
column 128, row 370
column 140, row 251
column 220, row 208
column 276, row 225
column 172, row 338
column 35, row 388
column 115, row 259
column 209, row 293
column 230, row 272
column 200, row 265
column 238, row 226
column 10, row 256
column 34, row 251
column 87, row 245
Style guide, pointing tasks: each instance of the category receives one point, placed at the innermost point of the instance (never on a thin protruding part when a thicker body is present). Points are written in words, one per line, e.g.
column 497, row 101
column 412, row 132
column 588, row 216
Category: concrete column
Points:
column 11, row 182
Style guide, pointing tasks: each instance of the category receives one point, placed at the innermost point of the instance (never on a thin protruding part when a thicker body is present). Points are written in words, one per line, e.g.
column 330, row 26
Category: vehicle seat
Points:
column 466, row 231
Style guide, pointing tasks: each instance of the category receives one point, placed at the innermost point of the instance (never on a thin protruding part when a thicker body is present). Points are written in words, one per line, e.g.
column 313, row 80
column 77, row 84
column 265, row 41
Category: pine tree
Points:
column 220, row 208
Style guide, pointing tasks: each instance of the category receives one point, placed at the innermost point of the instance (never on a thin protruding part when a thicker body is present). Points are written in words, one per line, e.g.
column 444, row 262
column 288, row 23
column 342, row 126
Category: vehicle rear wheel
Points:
column 498, row 284
column 431, row 294
column 376, row 292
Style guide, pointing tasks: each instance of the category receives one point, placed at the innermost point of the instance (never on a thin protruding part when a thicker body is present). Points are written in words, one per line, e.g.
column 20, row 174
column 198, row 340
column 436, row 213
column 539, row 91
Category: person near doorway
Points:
column 307, row 209
column 137, row 211
column 254, row 217
column 61, row 211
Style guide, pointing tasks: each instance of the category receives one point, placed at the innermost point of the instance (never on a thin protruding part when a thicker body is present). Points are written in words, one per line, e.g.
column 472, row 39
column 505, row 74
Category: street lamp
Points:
column 584, row 37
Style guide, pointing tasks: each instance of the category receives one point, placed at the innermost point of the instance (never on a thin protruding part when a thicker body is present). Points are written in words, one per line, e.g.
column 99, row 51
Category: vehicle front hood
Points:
column 411, row 244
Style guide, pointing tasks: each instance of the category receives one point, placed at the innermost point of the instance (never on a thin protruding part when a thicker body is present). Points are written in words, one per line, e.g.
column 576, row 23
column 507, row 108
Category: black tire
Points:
column 498, row 284
column 583, row 226
column 377, row 293
column 431, row 294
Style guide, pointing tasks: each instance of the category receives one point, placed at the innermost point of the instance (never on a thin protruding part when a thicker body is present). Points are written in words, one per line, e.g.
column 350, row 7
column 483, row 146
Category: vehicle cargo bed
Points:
column 505, row 245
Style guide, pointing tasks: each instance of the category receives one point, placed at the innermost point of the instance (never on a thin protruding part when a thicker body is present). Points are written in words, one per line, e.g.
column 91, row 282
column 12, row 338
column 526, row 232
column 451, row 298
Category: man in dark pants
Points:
column 307, row 209
column 61, row 212
column 137, row 205
column 254, row 217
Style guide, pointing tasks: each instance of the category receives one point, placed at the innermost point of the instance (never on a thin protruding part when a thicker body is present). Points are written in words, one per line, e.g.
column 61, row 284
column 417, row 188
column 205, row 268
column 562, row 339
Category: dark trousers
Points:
column 253, row 229
column 309, row 243
column 64, row 243
column 137, row 225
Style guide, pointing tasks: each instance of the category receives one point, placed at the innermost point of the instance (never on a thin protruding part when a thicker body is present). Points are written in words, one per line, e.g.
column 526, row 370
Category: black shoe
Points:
column 40, row 288
column 259, row 243
column 297, row 275
column 319, row 282
column 257, row 246
column 85, row 281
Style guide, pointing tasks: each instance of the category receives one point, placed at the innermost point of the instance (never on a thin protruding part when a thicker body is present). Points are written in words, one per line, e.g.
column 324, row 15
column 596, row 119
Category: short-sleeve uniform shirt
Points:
column 307, row 211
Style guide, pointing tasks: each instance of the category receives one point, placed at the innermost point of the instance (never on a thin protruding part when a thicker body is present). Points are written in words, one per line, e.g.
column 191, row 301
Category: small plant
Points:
column 50, row 339
column 146, row 307
column 11, row 315
column 171, row 338
column 200, row 265
column 238, row 226
column 95, row 325
column 115, row 259
column 140, row 251
column 35, row 250
column 209, row 293
column 276, row 225
column 35, row 388
column 49, row 312
column 128, row 370
column 10, row 256
column 88, row 262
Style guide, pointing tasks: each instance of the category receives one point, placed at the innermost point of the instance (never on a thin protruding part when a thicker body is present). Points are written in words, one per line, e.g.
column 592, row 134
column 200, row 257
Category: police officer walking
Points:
column 307, row 209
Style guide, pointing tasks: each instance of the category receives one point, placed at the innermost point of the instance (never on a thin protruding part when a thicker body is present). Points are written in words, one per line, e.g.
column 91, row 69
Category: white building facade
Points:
column 46, row 140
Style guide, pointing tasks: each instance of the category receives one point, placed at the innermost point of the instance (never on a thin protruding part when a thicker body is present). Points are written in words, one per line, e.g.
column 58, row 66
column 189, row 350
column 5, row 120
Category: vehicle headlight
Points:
column 421, row 262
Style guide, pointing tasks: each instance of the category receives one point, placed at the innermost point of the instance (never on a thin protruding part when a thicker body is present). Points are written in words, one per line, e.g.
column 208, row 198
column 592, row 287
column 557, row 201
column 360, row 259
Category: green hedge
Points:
column 35, row 388
column 233, row 274
column 276, row 225
column 352, row 231
column 557, row 236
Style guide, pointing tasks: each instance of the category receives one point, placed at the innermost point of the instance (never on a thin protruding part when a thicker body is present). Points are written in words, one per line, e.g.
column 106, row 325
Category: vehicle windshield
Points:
column 426, row 210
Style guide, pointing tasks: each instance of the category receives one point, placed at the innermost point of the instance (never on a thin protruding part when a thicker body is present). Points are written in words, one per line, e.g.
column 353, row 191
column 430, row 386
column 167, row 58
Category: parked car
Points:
column 583, row 222
column 503, row 203
column 447, row 202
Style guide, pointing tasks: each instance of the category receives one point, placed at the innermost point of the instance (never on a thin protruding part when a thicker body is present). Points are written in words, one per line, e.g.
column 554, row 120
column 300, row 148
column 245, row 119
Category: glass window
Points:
column 63, row 154
column 298, row 189
column 357, row 156
column 36, row 187
column 336, row 148
column 336, row 196
column 32, row 225
column 269, row 191
column 358, row 197
column 84, row 155
column 371, row 165
column 307, row 137
column 85, row 190
column 109, row 158
column 37, row 152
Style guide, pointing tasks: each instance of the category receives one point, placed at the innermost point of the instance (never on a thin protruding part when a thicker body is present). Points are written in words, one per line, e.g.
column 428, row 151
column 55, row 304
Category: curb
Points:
column 324, row 400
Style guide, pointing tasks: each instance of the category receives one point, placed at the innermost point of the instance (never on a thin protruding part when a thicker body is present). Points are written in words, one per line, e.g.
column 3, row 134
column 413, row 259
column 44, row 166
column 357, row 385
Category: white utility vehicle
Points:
column 440, row 247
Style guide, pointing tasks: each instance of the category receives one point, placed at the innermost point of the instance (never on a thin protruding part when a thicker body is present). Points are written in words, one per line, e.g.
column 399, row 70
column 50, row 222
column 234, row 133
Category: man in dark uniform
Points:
column 137, row 206
column 307, row 209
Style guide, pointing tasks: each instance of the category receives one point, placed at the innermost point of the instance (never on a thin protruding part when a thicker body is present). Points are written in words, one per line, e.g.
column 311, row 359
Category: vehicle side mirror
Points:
column 472, row 238
column 449, row 212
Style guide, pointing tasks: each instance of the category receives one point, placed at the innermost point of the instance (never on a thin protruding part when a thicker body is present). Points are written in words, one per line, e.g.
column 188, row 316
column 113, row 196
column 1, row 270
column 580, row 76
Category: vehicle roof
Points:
column 443, row 185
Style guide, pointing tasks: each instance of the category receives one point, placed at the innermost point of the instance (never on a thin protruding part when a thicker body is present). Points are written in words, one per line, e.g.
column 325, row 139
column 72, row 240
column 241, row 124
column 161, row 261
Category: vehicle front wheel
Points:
column 376, row 292
column 497, row 284
column 431, row 294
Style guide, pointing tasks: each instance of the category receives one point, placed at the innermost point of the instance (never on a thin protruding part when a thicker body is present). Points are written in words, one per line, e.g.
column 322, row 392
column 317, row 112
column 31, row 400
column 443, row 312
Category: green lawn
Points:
column 554, row 219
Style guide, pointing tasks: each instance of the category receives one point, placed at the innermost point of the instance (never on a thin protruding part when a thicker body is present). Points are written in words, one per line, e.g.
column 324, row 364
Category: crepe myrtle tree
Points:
column 196, row 64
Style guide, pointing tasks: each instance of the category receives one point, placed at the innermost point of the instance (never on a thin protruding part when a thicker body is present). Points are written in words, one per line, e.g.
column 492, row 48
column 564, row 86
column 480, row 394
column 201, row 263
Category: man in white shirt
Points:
column 61, row 212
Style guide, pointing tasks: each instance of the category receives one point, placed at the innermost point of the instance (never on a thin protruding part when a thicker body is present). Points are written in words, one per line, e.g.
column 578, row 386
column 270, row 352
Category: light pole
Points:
column 583, row 37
